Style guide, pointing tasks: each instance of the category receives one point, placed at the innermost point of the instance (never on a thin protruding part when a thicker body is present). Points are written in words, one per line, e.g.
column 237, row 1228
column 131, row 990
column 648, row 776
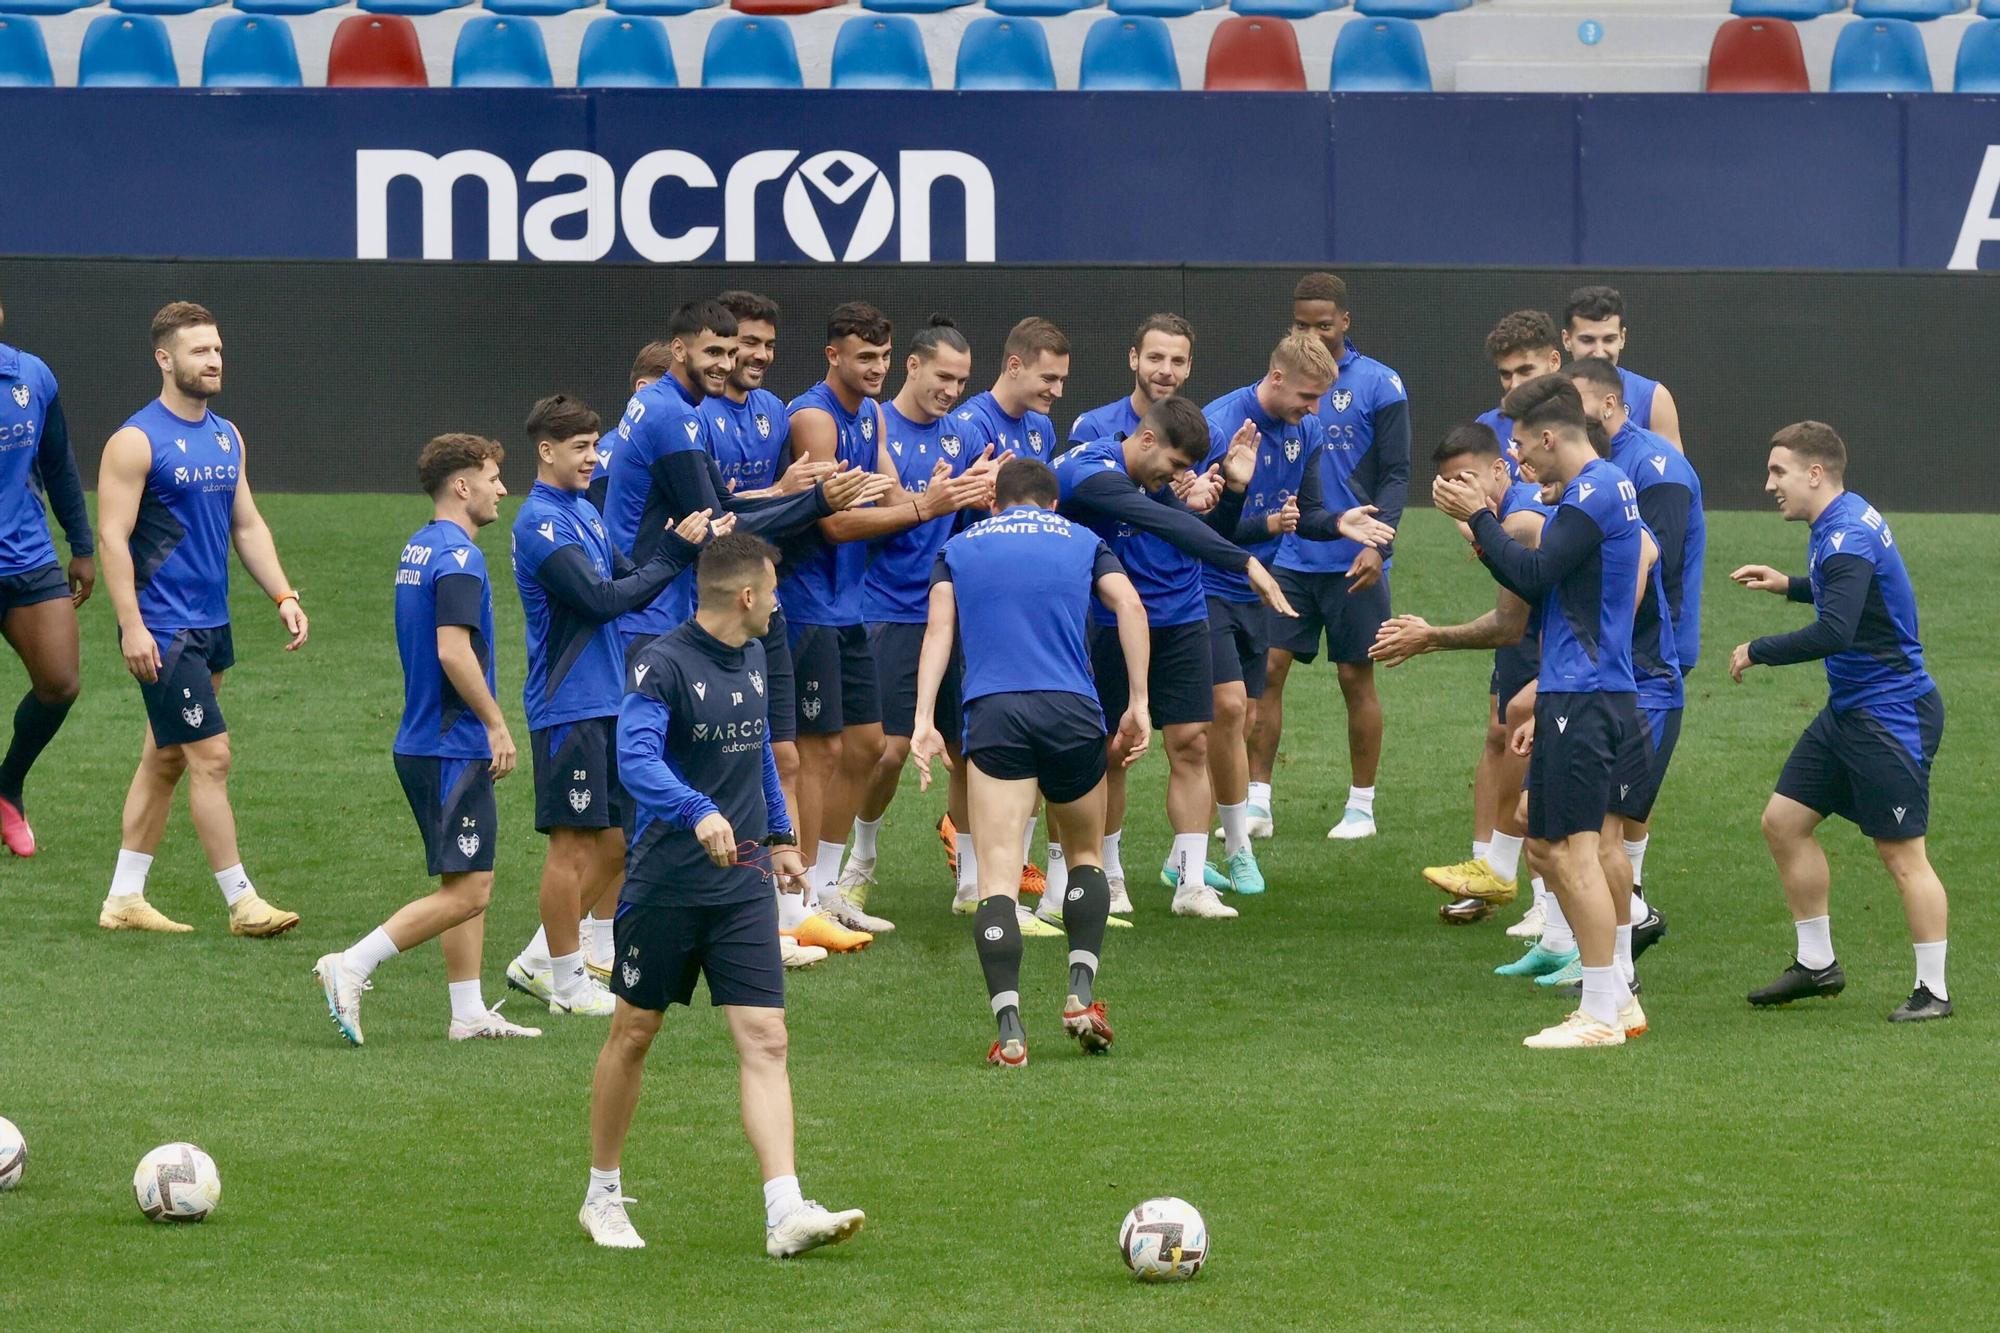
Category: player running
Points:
column 1867, row 757
column 1341, row 588
column 1015, row 589
column 173, row 493
column 1586, row 727
column 38, row 598
column 452, row 746
column 1162, row 358
column 1472, row 454
column 1594, row 325
column 710, row 831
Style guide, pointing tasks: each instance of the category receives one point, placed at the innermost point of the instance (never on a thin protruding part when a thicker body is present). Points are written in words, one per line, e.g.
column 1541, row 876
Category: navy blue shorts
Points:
column 453, row 802
column 1052, row 736
column 1587, row 747
column 780, row 695
column 1180, row 684
column 1515, row 668
column 659, row 950
column 897, row 648
column 1348, row 621
column 181, row 703
column 1239, row 641
column 834, row 674
column 43, row 583
column 1871, row 766
column 576, row 775
column 1659, row 733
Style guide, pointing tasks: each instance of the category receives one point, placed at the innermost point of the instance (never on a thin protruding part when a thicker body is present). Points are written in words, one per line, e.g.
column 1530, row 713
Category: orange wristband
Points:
column 282, row 598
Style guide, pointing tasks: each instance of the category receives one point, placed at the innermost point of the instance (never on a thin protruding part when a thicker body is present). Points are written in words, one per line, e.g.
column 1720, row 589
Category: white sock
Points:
column 129, row 879
column 1235, row 827
column 1604, row 994
column 467, row 1006
column 1541, row 888
column 1930, row 969
column 536, row 955
column 1260, row 796
column 1557, row 937
column 1189, row 855
column 781, row 1197
column 1113, row 867
column 1624, row 954
column 1815, row 942
column 864, row 838
column 1480, row 849
column 1058, row 874
column 597, row 935
column 1362, row 799
column 369, row 953
column 1028, row 845
column 605, row 1183
column 235, row 885
column 1504, row 856
column 826, row 869
column 569, row 974
column 968, row 865
column 792, row 910
column 1635, row 852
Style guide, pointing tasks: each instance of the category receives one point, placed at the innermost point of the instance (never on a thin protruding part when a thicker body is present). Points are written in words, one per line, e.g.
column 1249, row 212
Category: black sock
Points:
column 1086, row 905
column 35, row 725
column 997, row 934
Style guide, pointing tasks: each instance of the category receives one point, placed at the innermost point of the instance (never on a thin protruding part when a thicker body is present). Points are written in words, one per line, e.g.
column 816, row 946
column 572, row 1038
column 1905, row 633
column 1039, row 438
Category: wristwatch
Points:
column 782, row 840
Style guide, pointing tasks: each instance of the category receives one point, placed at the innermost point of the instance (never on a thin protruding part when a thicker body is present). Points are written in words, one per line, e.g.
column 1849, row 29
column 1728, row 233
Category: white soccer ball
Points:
column 13, row 1154
column 177, row 1182
column 1164, row 1240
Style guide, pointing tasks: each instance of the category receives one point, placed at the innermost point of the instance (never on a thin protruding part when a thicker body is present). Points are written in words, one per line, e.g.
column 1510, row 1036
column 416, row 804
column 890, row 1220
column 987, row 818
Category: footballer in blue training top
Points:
column 1161, row 358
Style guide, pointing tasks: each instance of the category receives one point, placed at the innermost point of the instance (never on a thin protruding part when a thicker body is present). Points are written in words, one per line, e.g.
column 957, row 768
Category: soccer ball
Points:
column 1164, row 1240
column 13, row 1154
column 177, row 1182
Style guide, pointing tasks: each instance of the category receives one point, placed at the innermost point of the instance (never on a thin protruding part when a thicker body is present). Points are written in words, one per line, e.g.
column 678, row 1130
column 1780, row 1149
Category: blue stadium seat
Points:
column 1978, row 69
column 250, row 51
column 534, row 8
column 747, row 52
column 1880, row 56
column 886, row 52
column 626, row 52
column 1039, row 9
column 661, row 8
column 1380, row 56
column 126, row 51
column 1283, row 9
column 44, row 8
column 1988, row 9
column 24, row 56
column 1129, row 55
column 413, row 8
column 1917, row 11
column 1159, row 9
column 913, row 6
column 282, row 8
column 500, row 52
column 1796, row 11
column 1004, row 54
column 166, row 7
column 1408, row 9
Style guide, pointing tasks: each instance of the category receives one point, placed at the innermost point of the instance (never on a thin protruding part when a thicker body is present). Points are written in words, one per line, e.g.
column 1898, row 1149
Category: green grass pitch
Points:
column 1335, row 1079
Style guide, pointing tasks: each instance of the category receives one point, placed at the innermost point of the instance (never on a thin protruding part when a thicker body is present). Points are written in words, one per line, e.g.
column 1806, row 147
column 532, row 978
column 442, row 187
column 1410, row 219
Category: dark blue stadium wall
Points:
column 1848, row 181
column 337, row 372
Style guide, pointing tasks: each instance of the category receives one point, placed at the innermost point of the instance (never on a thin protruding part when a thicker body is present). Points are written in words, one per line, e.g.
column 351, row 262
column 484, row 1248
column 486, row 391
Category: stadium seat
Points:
column 1408, row 9
column 282, row 8
column 661, row 8
column 166, row 8
column 886, row 52
column 1283, row 9
column 45, row 8
column 626, row 52
column 1988, row 9
column 1039, row 9
column 1129, row 55
column 534, row 8
column 24, row 56
column 1757, row 56
column 1159, row 9
column 419, row 8
column 745, row 52
column 1978, row 69
column 1795, row 11
column 1254, row 55
column 1003, row 54
column 1880, row 56
column 913, row 6
column 376, row 51
column 126, row 51
column 781, row 8
column 500, row 52
column 1380, row 56
column 1917, row 11
column 250, row 51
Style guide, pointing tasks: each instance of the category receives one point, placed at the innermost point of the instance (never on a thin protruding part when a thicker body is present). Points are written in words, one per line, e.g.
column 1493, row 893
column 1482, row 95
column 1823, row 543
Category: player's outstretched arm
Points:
column 461, row 667
column 940, row 628
column 567, row 575
column 121, row 478
column 1135, row 640
column 1115, row 495
column 55, row 461
column 259, row 554
column 1763, row 578
column 1567, row 541
column 1844, row 580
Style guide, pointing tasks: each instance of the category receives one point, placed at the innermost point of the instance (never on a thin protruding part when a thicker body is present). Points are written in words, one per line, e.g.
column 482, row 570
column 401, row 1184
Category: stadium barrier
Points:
column 337, row 372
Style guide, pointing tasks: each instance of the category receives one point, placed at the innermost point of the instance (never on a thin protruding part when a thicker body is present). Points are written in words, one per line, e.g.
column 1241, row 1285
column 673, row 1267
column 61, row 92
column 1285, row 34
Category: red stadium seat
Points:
column 1258, row 55
column 1757, row 56
column 780, row 8
column 376, row 51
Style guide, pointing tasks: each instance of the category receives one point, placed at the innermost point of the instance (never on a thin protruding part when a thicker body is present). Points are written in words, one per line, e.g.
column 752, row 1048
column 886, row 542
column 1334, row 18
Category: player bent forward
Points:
column 695, row 751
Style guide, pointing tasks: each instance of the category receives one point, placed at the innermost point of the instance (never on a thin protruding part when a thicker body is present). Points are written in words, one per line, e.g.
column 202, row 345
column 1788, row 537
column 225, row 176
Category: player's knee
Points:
column 471, row 893
column 1781, row 825
column 1188, row 746
column 1357, row 683
column 765, row 1039
column 1275, row 670
column 632, row 1033
column 59, row 690
column 1906, row 859
column 1231, row 708
column 208, row 760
